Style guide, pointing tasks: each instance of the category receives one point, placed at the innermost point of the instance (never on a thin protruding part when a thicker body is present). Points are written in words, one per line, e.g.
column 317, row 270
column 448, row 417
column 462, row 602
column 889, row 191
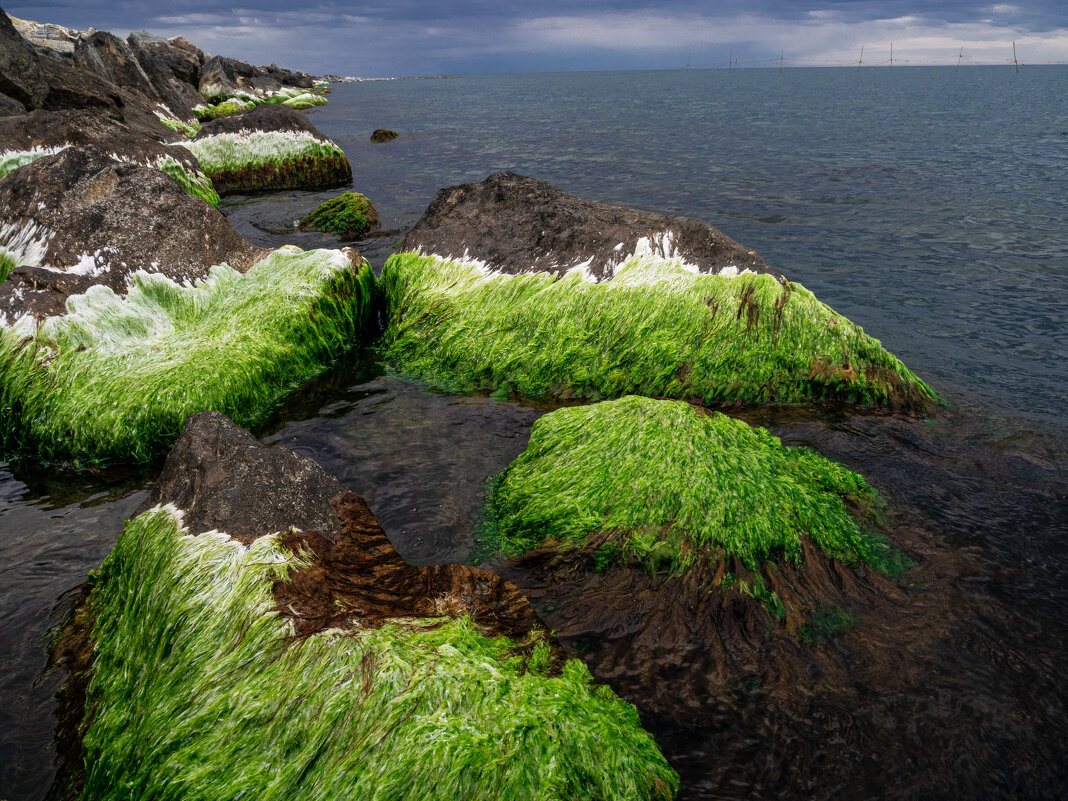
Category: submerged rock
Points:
column 319, row 657
column 514, row 224
column 383, row 135
column 114, row 378
column 348, row 216
column 77, row 218
column 270, row 147
column 696, row 551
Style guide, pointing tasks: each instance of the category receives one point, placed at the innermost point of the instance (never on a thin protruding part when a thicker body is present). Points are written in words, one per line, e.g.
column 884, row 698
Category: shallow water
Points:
column 927, row 205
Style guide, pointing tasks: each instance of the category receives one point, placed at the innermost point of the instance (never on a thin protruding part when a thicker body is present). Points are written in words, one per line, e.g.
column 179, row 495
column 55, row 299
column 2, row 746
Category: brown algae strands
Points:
column 663, row 484
column 657, row 328
column 200, row 690
column 115, row 378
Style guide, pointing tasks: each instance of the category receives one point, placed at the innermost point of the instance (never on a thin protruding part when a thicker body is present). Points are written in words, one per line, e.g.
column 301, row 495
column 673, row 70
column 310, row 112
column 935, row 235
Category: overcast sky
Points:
column 432, row 37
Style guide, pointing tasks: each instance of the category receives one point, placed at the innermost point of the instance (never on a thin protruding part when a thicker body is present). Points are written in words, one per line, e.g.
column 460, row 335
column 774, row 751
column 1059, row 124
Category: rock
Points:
column 9, row 106
column 270, row 147
column 287, row 77
column 383, row 135
column 30, row 136
column 222, row 77
column 164, row 66
column 110, row 58
column 191, row 53
column 656, row 328
column 79, row 211
column 53, row 37
column 695, row 550
column 180, row 57
column 312, row 647
column 517, row 224
column 114, row 376
column 348, row 216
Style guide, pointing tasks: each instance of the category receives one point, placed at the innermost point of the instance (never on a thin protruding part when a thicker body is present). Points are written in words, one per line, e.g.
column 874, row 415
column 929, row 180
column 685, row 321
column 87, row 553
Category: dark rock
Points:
column 223, row 77
column 155, row 56
column 286, row 77
column 21, row 76
column 110, row 57
column 136, row 141
column 384, row 135
column 107, row 219
column 181, row 59
column 190, row 52
column 517, row 224
column 268, row 117
column 224, row 479
column 9, row 106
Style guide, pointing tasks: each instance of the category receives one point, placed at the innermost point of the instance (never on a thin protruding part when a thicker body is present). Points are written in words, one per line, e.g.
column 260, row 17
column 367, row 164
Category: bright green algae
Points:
column 231, row 152
column 654, row 329
column 199, row 691
column 193, row 182
column 349, row 216
column 115, row 378
column 672, row 485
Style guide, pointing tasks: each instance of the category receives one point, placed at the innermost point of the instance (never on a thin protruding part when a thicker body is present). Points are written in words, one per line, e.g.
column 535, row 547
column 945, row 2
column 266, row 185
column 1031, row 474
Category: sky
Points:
column 438, row 37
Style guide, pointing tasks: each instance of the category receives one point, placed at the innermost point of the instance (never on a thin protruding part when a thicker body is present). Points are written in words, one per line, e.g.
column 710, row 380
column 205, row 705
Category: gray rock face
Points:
column 517, row 224
column 227, row 76
column 159, row 60
column 224, row 479
column 110, row 58
column 79, row 217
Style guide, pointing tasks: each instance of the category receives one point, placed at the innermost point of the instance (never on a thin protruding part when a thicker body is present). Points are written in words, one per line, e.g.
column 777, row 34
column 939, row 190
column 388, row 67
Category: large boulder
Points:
column 27, row 137
column 270, row 147
column 319, row 657
column 223, row 77
column 171, row 73
column 109, row 57
column 48, row 35
column 515, row 224
column 516, row 287
column 78, row 218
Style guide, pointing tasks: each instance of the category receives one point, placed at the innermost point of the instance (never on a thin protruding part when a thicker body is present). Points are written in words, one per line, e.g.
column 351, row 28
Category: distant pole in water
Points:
column 1014, row 61
column 861, row 59
column 730, row 62
column 959, row 58
column 891, row 55
column 780, row 60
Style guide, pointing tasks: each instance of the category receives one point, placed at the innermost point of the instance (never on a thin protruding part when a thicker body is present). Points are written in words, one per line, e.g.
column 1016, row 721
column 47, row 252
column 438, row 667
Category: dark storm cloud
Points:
column 430, row 36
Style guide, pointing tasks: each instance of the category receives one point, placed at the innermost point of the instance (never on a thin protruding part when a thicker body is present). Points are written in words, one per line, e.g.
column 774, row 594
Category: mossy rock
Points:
column 232, row 702
column 655, row 329
column 115, row 378
column 383, row 135
column 669, row 486
column 348, row 216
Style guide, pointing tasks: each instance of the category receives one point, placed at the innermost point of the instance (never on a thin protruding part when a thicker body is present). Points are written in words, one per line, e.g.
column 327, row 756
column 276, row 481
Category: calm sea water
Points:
column 927, row 204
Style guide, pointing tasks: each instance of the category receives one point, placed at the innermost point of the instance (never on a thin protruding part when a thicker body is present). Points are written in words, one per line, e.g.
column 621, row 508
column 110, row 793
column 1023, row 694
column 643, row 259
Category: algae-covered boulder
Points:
column 285, row 649
column 270, row 147
column 348, row 216
column 77, row 218
column 698, row 553
column 515, row 224
column 114, row 378
column 383, row 135
column 515, row 286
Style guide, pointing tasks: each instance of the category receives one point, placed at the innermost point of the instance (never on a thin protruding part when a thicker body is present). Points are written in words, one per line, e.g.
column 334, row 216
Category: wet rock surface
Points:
column 517, row 224
column 87, row 214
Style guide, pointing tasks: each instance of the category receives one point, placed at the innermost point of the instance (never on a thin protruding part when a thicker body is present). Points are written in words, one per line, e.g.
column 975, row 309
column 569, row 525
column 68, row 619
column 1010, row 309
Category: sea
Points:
column 928, row 204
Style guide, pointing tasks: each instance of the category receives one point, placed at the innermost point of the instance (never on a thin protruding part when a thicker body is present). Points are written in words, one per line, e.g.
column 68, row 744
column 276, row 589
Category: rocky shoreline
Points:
column 134, row 322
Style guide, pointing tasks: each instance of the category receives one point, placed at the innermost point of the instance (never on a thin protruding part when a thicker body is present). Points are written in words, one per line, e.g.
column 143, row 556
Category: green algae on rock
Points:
column 264, row 160
column 348, row 216
column 664, row 484
column 201, row 687
column 656, row 329
column 115, row 377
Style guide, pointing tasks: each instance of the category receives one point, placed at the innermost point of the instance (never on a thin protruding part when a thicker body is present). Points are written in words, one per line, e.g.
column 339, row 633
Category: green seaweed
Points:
column 672, row 485
column 199, row 691
column 655, row 329
column 348, row 216
column 195, row 183
column 232, row 152
column 184, row 128
column 7, row 264
column 115, row 378
column 13, row 159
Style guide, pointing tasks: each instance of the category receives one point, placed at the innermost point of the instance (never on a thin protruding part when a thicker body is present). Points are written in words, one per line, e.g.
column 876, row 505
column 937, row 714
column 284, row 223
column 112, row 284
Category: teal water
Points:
column 929, row 205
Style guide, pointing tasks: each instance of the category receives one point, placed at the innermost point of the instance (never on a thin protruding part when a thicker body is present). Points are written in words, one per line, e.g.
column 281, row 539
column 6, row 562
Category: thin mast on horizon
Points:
column 891, row 55
column 780, row 60
column 1014, row 61
column 958, row 59
column 861, row 59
